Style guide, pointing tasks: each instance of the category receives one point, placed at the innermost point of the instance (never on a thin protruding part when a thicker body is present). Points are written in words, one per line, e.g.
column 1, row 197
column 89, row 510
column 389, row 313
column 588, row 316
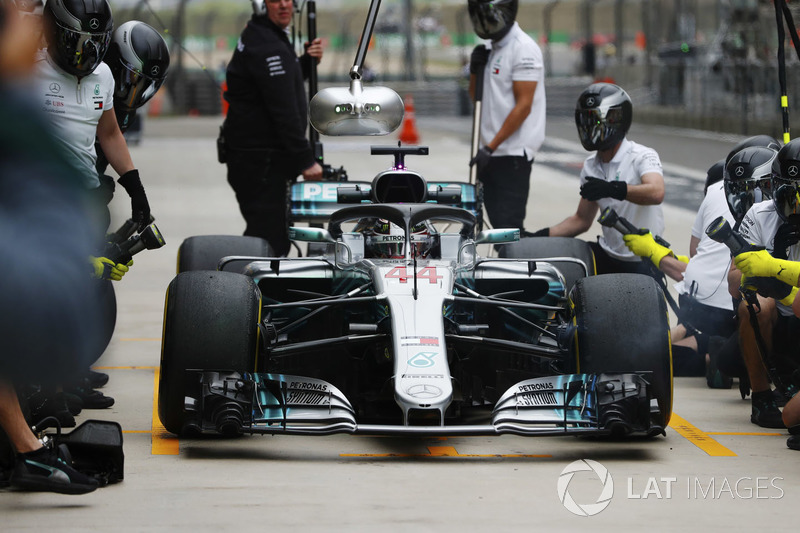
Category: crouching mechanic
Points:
column 630, row 179
column 774, row 226
column 705, row 305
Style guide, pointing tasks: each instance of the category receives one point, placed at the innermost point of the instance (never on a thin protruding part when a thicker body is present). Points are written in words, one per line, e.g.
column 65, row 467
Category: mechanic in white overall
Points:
column 621, row 174
column 779, row 259
column 75, row 89
column 512, row 112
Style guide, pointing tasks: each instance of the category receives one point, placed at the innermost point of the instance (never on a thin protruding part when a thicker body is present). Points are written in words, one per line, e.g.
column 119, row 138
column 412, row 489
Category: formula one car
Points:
column 400, row 327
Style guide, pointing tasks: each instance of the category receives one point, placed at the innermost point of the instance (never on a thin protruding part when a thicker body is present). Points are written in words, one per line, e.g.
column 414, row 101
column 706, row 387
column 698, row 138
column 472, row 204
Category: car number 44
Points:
column 400, row 273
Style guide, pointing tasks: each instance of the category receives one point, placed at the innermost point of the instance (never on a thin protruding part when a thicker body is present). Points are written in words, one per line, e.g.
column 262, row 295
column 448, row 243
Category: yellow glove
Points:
column 789, row 300
column 646, row 246
column 682, row 258
column 761, row 264
column 105, row 268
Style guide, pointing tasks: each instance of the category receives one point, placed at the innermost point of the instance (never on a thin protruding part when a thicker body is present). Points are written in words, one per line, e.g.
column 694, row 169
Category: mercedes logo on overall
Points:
column 585, row 509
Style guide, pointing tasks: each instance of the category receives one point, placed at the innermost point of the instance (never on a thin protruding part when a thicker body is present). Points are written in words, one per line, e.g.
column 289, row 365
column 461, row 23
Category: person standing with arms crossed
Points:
column 263, row 141
column 513, row 110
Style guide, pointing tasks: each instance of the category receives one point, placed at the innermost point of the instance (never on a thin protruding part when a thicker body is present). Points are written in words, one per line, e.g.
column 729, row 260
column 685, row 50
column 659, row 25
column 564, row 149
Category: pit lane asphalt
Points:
column 713, row 470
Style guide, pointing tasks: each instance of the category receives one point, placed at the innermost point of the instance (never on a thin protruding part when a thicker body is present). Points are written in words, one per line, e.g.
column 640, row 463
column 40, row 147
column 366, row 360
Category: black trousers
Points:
column 506, row 182
column 260, row 181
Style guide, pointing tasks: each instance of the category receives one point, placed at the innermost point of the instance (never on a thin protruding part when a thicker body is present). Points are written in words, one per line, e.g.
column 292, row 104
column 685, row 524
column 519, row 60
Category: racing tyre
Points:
column 622, row 326
column 203, row 252
column 210, row 323
column 543, row 247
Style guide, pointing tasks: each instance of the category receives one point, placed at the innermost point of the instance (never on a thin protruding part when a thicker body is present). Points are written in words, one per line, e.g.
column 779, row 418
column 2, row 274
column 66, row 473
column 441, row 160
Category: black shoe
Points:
column 73, row 402
column 793, row 442
column 45, row 470
column 765, row 412
column 714, row 378
column 96, row 379
column 92, row 399
column 45, row 406
column 779, row 397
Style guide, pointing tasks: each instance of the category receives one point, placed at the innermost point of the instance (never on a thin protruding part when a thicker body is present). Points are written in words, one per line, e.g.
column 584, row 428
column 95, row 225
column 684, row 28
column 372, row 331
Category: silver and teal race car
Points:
column 401, row 327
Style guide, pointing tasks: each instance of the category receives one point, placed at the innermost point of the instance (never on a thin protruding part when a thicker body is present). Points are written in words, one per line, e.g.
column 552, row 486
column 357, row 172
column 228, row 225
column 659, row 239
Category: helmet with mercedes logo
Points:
column 139, row 60
column 746, row 172
column 78, row 33
column 786, row 182
column 603, row 116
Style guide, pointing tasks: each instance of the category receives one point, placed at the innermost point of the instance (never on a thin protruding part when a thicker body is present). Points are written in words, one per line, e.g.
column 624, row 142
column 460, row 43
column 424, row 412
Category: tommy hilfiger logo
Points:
column 98, row 105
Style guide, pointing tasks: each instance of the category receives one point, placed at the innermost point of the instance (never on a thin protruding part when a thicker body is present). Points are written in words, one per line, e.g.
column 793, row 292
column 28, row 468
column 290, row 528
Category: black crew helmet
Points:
column 492, row 19
column 786, row 182
column 714, row 174
column 603, row 115
column 78, row 33
column 139, row 59
column 746, row 171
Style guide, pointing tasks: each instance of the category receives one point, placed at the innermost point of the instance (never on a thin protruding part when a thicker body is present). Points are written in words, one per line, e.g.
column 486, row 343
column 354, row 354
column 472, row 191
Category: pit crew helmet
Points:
column 786, row 182
column 603, row 116
column 78, row 33
column 757, row 140
column 492, row 19
column 714, row 174
column 746, row 170
column 386, row 240
column 139, row 59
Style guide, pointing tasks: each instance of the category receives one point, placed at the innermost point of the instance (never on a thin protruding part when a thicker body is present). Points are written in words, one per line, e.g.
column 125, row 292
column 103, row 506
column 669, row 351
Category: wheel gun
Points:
column 610, row 219
column 122, row 251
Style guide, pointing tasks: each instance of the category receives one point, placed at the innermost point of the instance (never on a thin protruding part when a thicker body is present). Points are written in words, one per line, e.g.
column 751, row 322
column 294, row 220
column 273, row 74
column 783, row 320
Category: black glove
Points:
column 140, row 208
column 544, row 232
column 595, row 188
column 786, row 236
column 478, row 59
column 482, row 158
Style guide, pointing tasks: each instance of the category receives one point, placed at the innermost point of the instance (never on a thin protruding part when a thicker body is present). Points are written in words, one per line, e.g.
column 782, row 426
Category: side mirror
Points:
column 497, row 236
column 310, row 235
column 358, row 110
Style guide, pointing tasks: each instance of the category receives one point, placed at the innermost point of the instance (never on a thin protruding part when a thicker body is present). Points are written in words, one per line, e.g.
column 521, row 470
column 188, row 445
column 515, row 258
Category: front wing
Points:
column 600, row 404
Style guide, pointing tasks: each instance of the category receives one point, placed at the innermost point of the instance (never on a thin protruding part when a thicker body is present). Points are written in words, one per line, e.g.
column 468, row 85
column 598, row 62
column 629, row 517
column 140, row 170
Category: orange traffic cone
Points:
column 408, row 134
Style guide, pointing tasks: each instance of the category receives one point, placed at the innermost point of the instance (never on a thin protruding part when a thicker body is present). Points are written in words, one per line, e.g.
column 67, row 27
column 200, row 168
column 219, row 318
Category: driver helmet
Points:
column 139, row 59
column 492, row 19
column 786, row 182
column 757, row 140
column 78, row 33
column 746, row 170
column 603, row 116
column 386, row 240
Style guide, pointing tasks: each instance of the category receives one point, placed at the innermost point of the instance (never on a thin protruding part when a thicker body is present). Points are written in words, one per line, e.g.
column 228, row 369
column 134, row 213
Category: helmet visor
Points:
column 787, row 198
column 82, row 51
column 134, row 87
column 741, row 195
column 597, row 128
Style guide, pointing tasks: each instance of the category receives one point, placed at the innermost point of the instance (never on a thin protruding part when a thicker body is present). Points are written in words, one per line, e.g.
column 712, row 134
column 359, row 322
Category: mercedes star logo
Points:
column 739, row 171
column 792, row 171
column 94, row 24
column 155, row 70
column 424, row 391
column 55, row 88
column 590, row 101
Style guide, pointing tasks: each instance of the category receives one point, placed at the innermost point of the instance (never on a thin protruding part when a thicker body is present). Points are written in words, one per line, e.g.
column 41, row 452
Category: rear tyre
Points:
column 622, row 326
column 203, row 252
column 210, row 323
column 544, row 247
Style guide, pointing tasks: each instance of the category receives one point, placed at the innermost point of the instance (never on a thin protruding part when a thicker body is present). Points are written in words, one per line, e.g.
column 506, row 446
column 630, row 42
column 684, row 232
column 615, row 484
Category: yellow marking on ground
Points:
column 699, row 438
column 444, row 451
column 162, row 442
column 140, row 339
column 747, row 433
column 124, row 367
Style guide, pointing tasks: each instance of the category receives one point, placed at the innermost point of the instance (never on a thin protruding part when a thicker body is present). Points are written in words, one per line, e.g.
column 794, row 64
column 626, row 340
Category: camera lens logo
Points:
column 585, row 509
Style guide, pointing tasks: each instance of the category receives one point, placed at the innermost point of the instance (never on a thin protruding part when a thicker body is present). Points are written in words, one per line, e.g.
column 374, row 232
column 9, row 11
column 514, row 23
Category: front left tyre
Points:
column 210, row 323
